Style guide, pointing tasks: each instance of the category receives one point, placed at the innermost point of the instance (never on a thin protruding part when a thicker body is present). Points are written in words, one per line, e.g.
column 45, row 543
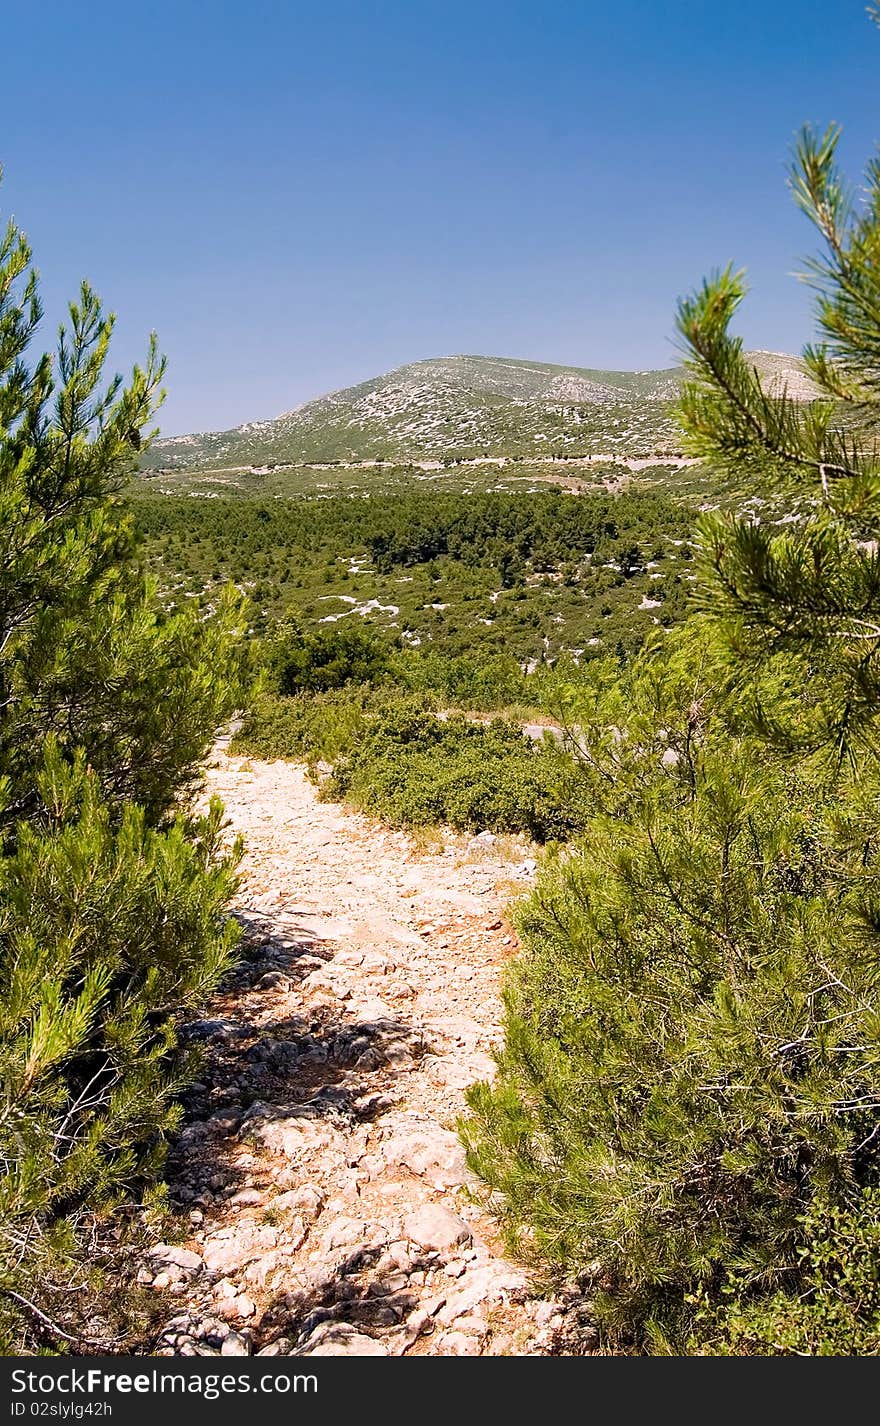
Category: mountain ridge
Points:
column 463, row 405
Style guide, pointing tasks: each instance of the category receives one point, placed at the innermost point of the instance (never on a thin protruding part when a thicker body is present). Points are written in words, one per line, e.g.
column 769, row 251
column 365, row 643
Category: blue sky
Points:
column 297, row 196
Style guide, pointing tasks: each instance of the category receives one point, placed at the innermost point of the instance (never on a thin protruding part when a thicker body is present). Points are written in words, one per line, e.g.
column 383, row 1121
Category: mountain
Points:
column 466, row 406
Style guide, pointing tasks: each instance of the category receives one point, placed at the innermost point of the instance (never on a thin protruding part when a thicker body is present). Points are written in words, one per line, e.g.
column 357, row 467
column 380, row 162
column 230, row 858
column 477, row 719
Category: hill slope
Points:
column 464, row 406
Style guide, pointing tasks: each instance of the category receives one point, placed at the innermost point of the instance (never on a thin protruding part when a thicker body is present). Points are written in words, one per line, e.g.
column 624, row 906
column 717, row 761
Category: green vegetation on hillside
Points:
column 461, row 407
column 379, row 716
column 414, row 768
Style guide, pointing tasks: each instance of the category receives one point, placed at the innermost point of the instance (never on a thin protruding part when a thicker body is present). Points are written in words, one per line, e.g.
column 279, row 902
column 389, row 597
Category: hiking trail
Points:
column 317, row 1172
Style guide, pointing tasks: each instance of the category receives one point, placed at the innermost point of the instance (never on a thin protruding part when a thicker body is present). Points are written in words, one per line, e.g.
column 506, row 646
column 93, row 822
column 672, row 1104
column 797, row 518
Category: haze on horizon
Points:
column 298, row 197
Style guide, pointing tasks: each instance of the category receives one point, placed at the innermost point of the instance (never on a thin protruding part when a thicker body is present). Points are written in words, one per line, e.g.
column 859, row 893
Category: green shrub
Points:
column 325, row 658
column 490, row 682
column 396, row 756
column 687, row 1112
column 413, row 768
column 311, row 727
column 110, row 933
column 832, row 1308
column 294, row 557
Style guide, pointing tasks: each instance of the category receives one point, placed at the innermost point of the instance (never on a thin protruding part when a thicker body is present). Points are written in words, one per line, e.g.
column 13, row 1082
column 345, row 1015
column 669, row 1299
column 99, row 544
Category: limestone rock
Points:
column 315, row 1169
column 171, row 1255
column 235, row 1345
column 235, row 1248
column 339, row 1339
column 430, row 1152
column 433, row 1226
column 490, row 1284
column 304, row 1202
column 458, row 1344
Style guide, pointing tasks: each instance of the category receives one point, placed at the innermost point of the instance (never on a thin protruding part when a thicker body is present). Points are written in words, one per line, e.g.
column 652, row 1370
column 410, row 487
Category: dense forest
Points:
column 535, row 574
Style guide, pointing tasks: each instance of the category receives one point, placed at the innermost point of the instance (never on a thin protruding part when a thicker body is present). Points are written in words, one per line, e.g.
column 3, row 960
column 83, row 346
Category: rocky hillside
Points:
column 466, row 406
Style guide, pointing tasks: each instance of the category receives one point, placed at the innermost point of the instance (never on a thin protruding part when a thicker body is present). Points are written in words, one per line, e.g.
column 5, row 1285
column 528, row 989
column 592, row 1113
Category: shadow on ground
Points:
column 260, row 1069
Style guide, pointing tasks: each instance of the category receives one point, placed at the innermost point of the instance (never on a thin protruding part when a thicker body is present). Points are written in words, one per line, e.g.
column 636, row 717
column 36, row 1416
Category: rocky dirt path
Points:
column 318, row 1170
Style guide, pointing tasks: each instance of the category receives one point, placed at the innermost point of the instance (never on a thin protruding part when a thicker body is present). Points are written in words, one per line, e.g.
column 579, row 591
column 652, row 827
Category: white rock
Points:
column 171, row 1254
column 344, row 1233
column 298, row 1136
column 455, row 1268
column 459, row 1344
column 338, row 1339
column 420, row 1322
column 474, row 1326
column 281, row 1348
column 235, row 1345
column 227, row 1251
column 490, row 1284
column 433, row 1226
column 260, row 1272
column 305, row 1201
column 248, row 1198
column 433, row 1153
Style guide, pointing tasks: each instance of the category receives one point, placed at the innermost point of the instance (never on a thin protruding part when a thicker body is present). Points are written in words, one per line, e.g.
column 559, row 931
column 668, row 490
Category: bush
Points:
column 396, row 756
column 311, row 727
column 687, row 1111
column 413, row 768
column 490, row 682
column 325, row 658
column 110, row 934
column 834, row 1309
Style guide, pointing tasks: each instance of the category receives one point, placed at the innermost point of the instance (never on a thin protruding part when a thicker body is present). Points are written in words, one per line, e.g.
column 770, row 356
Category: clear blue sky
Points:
column 297, row 196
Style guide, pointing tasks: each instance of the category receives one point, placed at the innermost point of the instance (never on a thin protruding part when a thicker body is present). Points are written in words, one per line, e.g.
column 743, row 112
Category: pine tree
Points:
column 691, row 1034
column 686, row 1116
column 112, row 895
column 803, row 604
